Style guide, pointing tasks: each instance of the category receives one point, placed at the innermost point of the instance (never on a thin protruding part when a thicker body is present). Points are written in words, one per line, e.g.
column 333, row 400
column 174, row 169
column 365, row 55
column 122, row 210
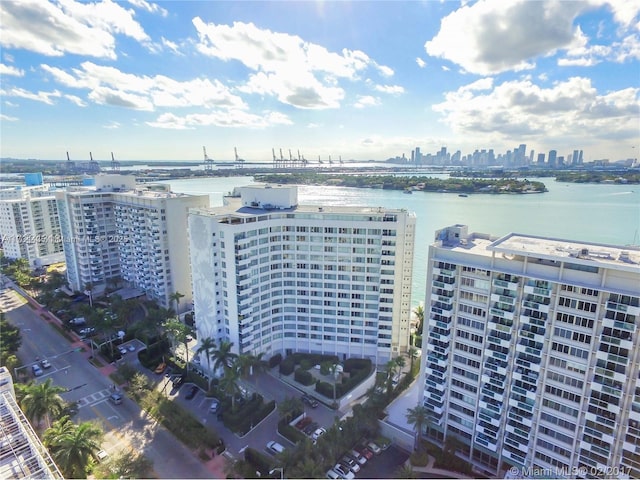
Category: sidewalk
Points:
column 429, row 468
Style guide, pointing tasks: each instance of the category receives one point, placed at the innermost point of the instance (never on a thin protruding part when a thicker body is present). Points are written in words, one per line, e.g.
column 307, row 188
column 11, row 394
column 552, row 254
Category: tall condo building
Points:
column 533, row 354
column 273, row 276
column 117, row 230
column 29, row 224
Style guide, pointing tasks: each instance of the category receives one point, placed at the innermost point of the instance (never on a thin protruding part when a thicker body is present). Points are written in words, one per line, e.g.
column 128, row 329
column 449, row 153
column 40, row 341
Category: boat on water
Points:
column 463, row 195
column 408, row 191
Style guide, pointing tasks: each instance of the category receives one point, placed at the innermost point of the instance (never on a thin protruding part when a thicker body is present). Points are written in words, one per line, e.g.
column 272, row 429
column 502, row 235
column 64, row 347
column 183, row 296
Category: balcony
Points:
column 509, row 285
column 621, row 307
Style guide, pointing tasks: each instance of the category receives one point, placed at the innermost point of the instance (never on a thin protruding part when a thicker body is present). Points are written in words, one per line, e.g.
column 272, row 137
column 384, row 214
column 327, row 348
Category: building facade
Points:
column 533, row 354
column 29, row 224
column 118, row 231
column 272, row 276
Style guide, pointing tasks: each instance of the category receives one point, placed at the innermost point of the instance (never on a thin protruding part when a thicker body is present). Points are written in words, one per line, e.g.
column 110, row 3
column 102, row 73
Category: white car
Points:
column 45, row 363
column 131, row 347
column 333, row 475
column 344, row 472
column 358, row 457
column 317, row 434
column 275, row 447
column 122, row 350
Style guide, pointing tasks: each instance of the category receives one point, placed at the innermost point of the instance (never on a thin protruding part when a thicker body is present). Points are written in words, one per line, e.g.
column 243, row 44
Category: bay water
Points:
column 600, row 213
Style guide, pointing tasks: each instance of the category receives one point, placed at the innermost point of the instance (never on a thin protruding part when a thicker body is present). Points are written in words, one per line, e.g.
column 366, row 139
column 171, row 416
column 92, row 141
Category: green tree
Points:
column 223, row 356
column 229, row 384
column 288, row 406
column 207, row 346
column 126, row 465
column 308, row 468
column 419, row 313
column 179, row 333
column 406, row 471
column 11, row 340
column 175, row 297
column 72, row 446
column 418, row 417
column 42, row 401
column 412, row 353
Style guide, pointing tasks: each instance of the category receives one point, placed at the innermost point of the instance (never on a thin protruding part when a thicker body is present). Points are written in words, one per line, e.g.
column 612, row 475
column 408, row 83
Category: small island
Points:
column 410, row 184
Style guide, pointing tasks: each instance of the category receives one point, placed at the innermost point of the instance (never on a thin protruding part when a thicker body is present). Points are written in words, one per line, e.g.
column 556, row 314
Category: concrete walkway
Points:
column 429, row 468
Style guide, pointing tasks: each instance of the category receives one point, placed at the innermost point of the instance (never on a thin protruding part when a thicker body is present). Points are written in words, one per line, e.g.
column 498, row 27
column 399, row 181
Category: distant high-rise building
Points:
column 552, row 158
column 575, row 158
column 272, row 276
column 532, row 353
column 29, row 223
column 540, row 159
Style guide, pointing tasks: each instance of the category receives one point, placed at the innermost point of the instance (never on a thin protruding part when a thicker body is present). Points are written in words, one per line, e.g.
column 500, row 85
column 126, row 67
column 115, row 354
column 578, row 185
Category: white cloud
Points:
column 7, row 118
column 421, row 63
column 493, row 36
column 220, row 118
column 9, row 70
column 112, row 125
column 108, row 85
column 391, row 89
column 149, row 7
column 54, row 29
column 298, row 73
column 170, row 45
column 44, row 97
column 366, row 101
column 571, row 109
column 77, row 100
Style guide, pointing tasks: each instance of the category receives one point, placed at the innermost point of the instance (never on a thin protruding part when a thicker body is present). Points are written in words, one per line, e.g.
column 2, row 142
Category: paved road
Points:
column 126, row 426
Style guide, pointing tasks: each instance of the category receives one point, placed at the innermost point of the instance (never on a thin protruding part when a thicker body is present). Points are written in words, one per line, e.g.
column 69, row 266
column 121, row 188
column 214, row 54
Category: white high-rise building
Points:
column 273, row 276
column 533, row 354
column 118, row 230
column 29, row 224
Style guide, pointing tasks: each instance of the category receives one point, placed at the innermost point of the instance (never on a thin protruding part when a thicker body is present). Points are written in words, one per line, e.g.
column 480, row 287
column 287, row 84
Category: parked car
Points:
column 131, row 347
column 122, row 350
column 350, row 463
column 37, row 371
column 364, row 451
column 309, row 429
column 275, row 447
column 344, row 472
column 45, row 363
column 115, row 398
column 358, row 457
column 309, row 400
column 374, row 448
column 192, row 392
column 215, row 405
column 333, row 475
column 87, row 330
column 160, row 368
column 317, row 434
column 178, row 381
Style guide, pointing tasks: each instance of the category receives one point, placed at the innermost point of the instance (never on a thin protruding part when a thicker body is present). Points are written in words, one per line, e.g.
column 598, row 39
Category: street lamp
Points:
column 280, row 469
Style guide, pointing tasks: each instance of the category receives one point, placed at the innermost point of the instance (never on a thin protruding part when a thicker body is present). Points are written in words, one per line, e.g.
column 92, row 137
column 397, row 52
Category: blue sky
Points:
column 361, row 80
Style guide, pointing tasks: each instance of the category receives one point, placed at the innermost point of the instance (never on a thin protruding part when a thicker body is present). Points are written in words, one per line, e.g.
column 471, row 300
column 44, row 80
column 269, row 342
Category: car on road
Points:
column 131, row 347
column 275, row 447
column 350, row 463
column 343, row 471
column 115, row 398
column 317, row 434
column 122, row 350
column 37, row 371
column 309, row 400
column 192, row 392
column 45, row 363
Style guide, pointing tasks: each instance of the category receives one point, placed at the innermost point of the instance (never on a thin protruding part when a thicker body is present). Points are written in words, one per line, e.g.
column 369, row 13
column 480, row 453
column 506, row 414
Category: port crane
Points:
column 208, row 162
column 115, row 165
column 239, row 161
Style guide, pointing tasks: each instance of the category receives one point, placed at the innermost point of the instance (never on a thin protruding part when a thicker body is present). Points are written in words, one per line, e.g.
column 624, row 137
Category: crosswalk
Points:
column 94, row 398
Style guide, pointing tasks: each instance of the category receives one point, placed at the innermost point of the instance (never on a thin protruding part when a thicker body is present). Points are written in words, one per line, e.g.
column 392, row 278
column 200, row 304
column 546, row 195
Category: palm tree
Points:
column 412, row 353
column 419, row 313
column 72, row 446
column 176, row 296
column 179, row 332
column 229, row 384
column 308, row 468
column 223, row 356
column 400, row 362
column 406, row 471
column 42, row 401
column 418, row 417
column 288, row 406
column 207, row 345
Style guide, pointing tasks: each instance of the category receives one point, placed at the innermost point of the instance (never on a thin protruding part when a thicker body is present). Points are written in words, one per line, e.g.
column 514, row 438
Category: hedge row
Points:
column 304, row 377
column 290, row 433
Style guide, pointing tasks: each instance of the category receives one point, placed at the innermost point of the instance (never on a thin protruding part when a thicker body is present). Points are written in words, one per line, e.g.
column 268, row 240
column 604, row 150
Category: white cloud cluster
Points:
column 64, row 26
column 571, row 109
column 9, row 70
column 149, row 7
column 493, row 36
column 297, row 73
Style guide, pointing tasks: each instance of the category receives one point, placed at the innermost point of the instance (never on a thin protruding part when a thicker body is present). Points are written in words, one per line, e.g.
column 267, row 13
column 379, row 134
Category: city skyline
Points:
column 364, row 80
